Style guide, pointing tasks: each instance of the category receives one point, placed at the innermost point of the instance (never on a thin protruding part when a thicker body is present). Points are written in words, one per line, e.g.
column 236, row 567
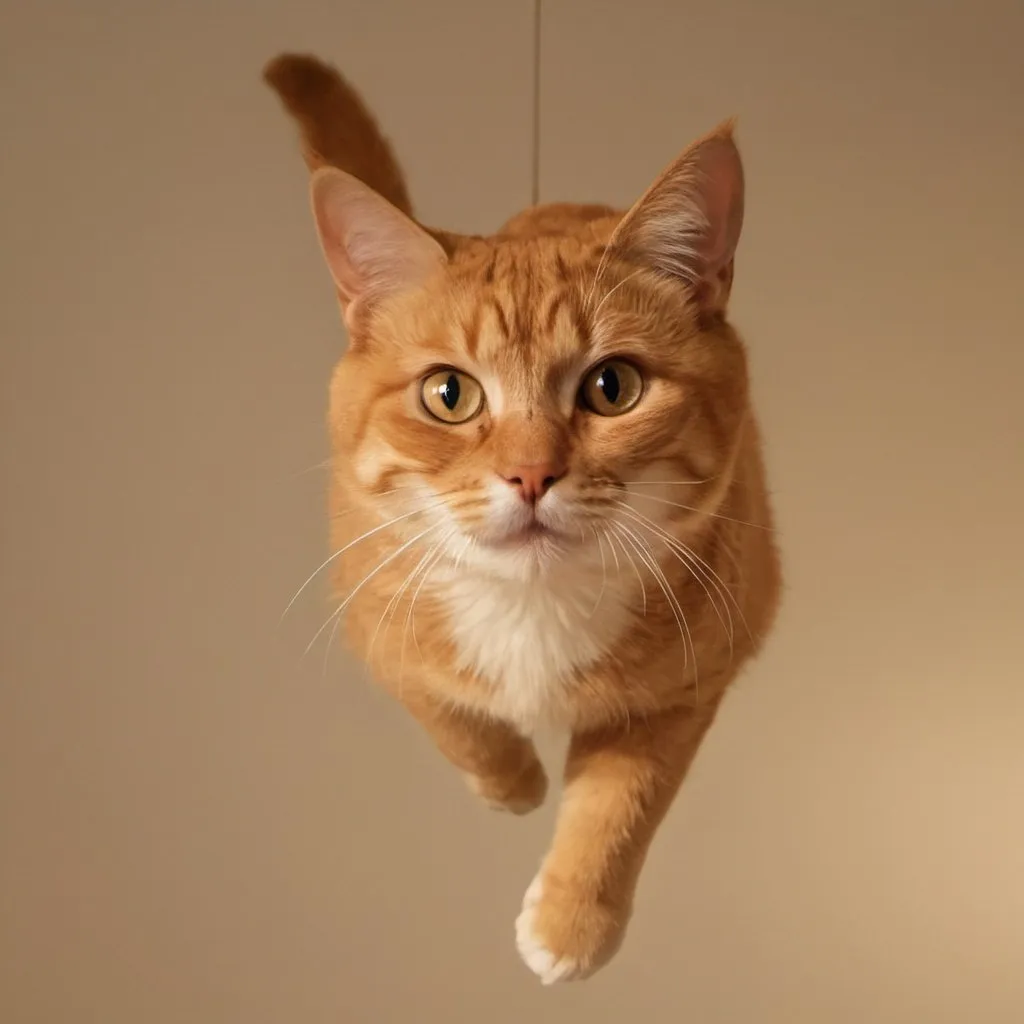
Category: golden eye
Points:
column 451, row 396
column 612, row 388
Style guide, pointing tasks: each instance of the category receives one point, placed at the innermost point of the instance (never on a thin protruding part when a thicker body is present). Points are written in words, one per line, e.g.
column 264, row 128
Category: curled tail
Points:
column 337, row 128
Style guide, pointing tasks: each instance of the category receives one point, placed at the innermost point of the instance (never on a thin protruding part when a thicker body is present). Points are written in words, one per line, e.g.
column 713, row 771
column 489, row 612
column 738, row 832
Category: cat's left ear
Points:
column 372, row 249
column 688, row 223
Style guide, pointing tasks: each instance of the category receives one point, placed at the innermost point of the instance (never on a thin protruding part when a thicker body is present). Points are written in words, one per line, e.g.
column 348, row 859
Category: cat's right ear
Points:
column 372, row 249
column 687, row 224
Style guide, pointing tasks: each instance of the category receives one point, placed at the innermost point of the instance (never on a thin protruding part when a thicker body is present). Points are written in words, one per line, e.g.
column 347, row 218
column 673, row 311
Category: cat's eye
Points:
column 612, row 388
column 451, row 396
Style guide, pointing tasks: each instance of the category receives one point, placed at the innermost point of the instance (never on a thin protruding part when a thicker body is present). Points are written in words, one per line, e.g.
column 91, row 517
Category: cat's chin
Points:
column 524, row 553
column 535, row 536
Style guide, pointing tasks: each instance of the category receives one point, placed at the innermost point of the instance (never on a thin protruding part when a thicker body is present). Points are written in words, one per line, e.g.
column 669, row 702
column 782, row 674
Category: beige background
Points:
column 196, row 825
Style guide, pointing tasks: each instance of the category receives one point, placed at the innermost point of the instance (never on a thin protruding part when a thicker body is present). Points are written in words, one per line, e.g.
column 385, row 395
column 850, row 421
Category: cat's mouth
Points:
column 533, row 533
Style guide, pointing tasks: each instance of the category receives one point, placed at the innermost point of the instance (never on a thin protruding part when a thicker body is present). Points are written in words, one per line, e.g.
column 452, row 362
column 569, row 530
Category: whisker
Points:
column 597, row 276
column 632, row 562
column 436, row 554
column 361, row 508
column 366, row 579
column 330, row 644
column 699, row 511
column 311, row 469
column 665, row 483
column 393, row 604
column 364, row 508
column 685, row 559
column 615, row 555
column 711, row 575
column 369, row 533
column 614, row 288
column 734, row 559
column 647, row 557
column 467, row 543
column 709, row 569
column 604, row 574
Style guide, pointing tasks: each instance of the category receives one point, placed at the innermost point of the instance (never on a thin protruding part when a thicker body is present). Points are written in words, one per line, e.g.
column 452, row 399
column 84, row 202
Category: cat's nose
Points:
column 534, row 481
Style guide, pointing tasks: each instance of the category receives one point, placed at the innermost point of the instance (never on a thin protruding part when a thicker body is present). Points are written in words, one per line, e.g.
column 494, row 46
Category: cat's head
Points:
column 560, row 391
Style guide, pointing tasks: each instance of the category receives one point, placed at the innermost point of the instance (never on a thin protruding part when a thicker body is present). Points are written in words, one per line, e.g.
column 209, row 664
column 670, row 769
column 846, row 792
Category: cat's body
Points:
column 586, row 539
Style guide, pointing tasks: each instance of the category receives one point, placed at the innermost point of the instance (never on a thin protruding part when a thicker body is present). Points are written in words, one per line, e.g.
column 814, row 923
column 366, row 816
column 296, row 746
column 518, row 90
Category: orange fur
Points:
column 540, row 562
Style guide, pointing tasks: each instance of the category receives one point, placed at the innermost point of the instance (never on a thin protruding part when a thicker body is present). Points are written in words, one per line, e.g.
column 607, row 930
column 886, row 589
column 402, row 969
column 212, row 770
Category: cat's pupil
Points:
column 609, row 384
column 449, row 392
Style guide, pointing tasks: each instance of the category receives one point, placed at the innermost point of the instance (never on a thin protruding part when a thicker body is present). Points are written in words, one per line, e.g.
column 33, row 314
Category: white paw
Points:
column 476, row 787
column 535, row 955
column 517, row 803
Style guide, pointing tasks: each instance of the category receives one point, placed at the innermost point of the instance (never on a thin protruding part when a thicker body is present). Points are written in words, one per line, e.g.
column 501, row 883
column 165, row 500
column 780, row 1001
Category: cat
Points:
column 548, row 501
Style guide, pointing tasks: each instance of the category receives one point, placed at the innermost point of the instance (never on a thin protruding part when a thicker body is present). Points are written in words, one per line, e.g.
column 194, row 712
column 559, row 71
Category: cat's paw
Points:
column 564, row 935
column 520, row 794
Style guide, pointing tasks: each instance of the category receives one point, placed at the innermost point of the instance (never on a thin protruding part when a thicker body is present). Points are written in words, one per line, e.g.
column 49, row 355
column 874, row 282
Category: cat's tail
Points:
column 336, row 127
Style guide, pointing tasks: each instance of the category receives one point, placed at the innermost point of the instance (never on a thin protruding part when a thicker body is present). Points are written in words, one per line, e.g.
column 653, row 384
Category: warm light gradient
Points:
column 197, row 825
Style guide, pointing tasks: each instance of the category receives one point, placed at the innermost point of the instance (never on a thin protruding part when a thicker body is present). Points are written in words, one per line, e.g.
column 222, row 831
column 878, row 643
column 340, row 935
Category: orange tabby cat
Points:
column 548, row 501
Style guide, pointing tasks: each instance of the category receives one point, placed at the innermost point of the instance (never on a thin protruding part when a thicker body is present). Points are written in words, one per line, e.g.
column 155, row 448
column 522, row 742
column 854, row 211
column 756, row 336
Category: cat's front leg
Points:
column 499, row 764
column 620, row 782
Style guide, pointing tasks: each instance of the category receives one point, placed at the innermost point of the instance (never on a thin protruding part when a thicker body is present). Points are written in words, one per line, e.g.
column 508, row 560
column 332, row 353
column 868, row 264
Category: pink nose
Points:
column 533, row 482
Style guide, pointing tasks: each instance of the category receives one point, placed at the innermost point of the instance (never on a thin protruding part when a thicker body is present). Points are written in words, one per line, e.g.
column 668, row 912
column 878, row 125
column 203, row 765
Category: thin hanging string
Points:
column 535, row 185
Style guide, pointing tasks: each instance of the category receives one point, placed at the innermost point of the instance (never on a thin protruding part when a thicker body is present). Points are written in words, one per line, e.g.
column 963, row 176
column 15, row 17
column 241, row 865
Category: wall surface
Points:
column 197, row 822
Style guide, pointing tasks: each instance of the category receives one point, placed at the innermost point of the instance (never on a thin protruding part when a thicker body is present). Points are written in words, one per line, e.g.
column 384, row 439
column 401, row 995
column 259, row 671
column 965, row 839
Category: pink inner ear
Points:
column 346, row 280
column 688, row 222
column 372, row 249
column 720, row 196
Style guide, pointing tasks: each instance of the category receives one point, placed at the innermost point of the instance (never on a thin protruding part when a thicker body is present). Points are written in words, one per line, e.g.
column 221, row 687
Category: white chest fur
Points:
column 526, row 637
